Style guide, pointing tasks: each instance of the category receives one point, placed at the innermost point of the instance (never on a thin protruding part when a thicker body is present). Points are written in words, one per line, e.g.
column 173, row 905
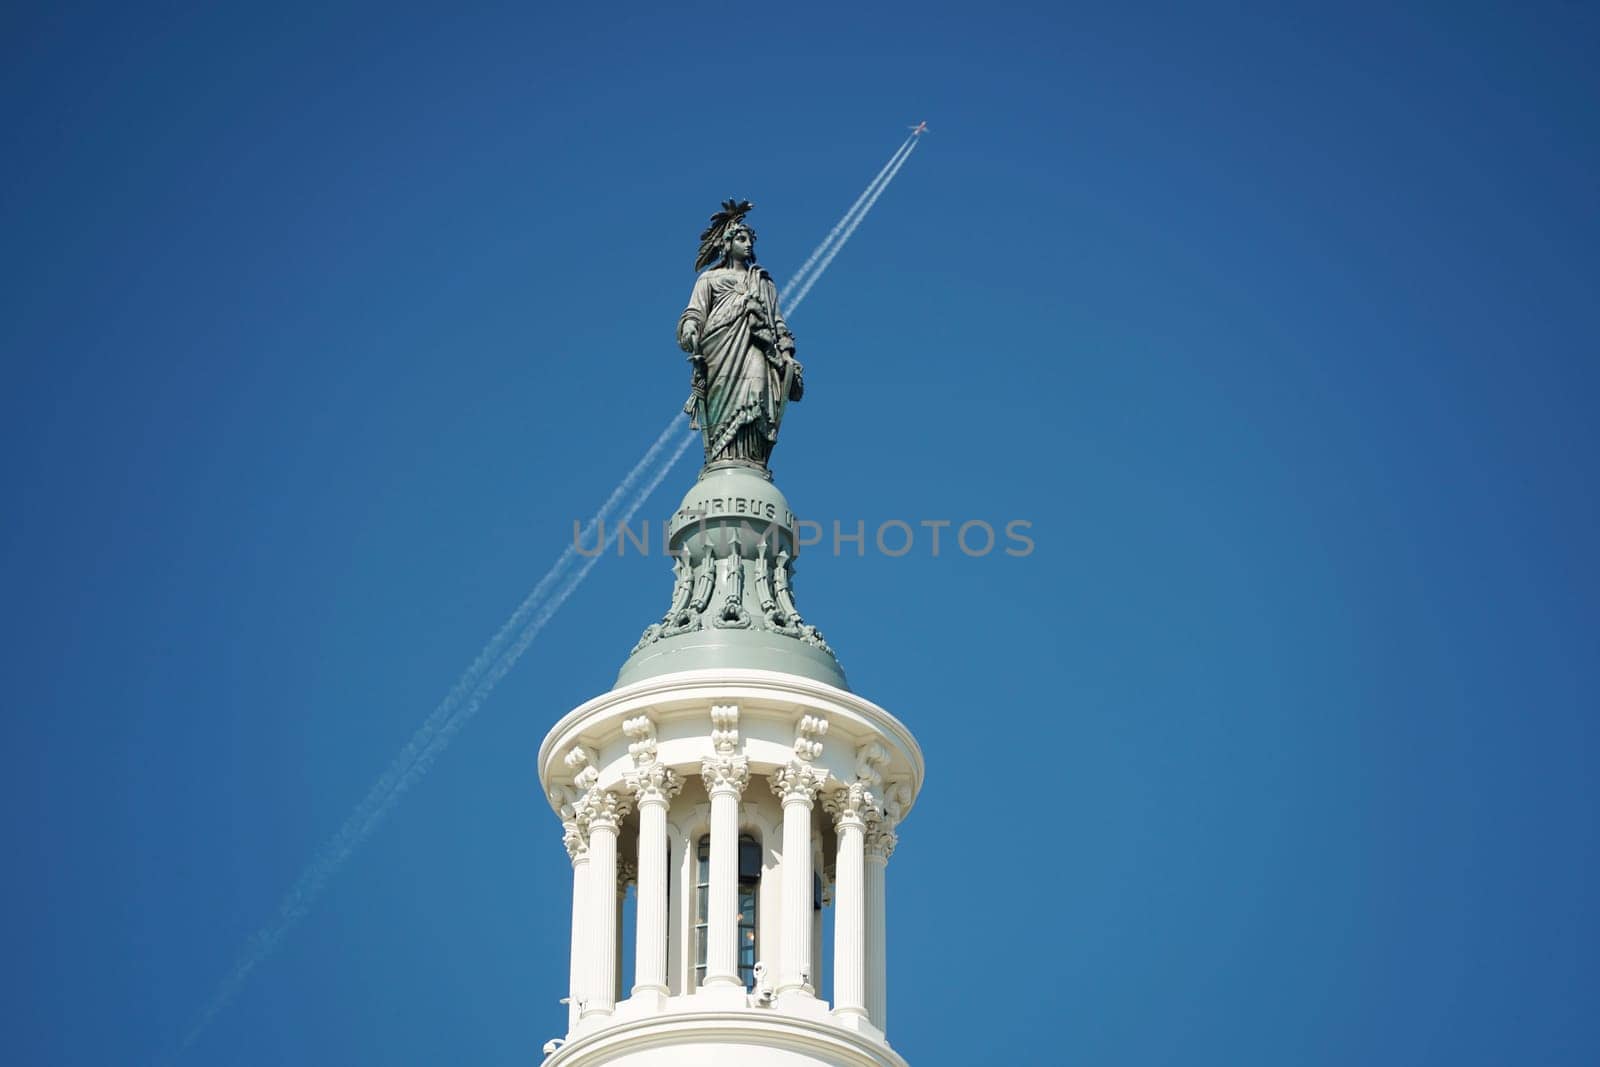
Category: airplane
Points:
column 919, row 129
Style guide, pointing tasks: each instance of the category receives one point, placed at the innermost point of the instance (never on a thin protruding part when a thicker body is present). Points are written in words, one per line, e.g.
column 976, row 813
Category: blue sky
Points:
column 322, row 324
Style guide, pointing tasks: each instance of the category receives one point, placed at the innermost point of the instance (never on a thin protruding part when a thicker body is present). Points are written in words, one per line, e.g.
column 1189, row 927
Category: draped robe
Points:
column 746, row 345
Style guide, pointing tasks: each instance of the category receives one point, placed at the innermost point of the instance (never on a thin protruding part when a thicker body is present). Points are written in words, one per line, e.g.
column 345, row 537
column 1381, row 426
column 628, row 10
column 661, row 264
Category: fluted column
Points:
column 725, row 778
column 575, row 837
column 604, row 810
column 851, row 807
column 880, row 842
column 796, row 786
column 653, row 787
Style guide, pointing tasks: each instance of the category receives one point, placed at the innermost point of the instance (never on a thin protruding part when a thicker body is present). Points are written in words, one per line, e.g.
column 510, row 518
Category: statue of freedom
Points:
column 739, row 347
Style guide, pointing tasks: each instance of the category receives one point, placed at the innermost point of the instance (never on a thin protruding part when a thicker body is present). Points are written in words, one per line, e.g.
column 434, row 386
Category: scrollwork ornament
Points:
column 783, row 588
column 725, row 728
column 651, row 635
column 682, row 587
column 870, row 760
column 896, row 799
column 767, row 595
column 705, row 580
column 581, row 761
column 808, row 734
column 641, row 734
column 730, row 580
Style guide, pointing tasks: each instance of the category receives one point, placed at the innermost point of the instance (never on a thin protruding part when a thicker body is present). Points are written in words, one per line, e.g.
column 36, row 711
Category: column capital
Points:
column 603, row 810
column 574, row 827
column 880, row 842
column 798, row 781
column 725, row 774
column 654, row 784
column 852, row 805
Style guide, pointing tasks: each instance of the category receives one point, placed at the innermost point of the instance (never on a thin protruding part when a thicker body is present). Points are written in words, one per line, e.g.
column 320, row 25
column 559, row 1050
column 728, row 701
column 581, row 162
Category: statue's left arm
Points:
column 785, row 339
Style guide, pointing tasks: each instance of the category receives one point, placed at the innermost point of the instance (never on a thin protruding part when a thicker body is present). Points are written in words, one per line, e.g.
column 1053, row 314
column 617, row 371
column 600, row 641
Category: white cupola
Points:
column 738, row 785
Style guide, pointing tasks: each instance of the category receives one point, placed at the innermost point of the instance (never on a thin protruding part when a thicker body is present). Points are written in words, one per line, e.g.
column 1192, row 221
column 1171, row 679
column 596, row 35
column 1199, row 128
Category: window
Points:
column 749, row 903
column 749, row 907
column 702, row 894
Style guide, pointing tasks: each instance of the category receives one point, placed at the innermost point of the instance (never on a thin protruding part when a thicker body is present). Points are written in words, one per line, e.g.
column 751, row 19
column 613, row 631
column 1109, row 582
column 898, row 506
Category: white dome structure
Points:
column 734, row 779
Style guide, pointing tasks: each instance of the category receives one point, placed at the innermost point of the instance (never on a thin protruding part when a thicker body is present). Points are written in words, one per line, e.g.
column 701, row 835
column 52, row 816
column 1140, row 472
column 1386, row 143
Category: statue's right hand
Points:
column 689, row 340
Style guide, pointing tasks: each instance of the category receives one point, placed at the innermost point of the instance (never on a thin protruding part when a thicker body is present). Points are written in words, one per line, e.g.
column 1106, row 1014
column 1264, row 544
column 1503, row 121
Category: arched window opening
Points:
column 749, row 907
column 749, row 902
column 702, row 897
column 627, row 933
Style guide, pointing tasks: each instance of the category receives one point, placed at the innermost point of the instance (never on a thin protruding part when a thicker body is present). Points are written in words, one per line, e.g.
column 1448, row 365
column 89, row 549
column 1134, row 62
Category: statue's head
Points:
column 738, row 242
column 717, row 242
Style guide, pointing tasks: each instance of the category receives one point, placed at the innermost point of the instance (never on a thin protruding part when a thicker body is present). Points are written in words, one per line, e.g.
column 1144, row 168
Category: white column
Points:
column 574, row 837
column 725, row 778
column 851, row 807
column 654, row 786
column 880, row 842
column 605, row 811
column 796, row 785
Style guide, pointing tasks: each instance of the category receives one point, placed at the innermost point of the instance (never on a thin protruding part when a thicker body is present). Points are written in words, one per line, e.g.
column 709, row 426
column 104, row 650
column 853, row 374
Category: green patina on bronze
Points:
column 733, row 537
column 740, row 350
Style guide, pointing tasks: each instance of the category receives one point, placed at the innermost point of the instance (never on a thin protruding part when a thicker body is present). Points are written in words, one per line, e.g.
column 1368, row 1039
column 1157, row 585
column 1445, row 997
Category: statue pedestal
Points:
column 734, row 543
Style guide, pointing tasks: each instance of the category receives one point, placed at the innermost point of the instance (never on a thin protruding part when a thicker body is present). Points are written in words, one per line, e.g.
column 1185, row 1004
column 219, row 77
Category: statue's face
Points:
column 741, row 245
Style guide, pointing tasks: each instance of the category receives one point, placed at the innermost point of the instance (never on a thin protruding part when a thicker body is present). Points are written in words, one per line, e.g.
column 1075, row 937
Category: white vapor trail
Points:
column 460, row 704
column 834, row 251
column 816, row 253
column 504, row 649
column 509, row 658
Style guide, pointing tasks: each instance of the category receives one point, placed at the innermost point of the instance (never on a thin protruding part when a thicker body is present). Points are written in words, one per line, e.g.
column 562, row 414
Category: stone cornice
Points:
column 752, row 1028
column 759, row 694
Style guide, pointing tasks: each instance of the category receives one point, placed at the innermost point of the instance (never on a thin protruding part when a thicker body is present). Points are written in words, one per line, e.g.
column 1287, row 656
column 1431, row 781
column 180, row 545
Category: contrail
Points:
column 834, row 251
column 514, row 653
column 816, row 253
column 436, row 731
column 491, row 651
column 501, row 654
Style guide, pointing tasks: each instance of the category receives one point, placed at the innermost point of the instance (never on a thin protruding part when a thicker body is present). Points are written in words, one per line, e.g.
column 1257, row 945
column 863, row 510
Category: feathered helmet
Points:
column 732, row 214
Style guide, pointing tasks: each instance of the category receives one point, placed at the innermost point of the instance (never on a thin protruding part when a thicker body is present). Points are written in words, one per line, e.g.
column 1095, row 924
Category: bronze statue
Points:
column 740, row 350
